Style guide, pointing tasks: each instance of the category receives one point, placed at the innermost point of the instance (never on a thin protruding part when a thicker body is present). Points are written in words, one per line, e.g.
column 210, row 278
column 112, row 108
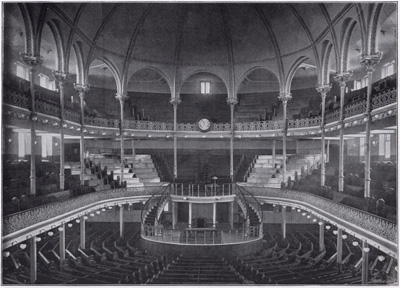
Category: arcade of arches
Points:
column 199, row 143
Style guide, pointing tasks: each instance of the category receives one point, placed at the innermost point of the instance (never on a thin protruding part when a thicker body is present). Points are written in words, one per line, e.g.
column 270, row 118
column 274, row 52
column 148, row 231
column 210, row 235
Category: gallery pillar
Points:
column 284, row 97
column 175, row 102
column 121, row 98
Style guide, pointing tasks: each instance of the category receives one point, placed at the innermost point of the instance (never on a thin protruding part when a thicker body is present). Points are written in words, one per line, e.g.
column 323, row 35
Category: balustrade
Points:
column 305, row 122
column 203, row 190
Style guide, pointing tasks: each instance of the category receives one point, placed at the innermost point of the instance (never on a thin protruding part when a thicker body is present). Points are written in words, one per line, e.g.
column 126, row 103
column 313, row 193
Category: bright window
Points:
column 22, row 71
column 364, row 82
column 205, row 87
column 388, row 69
column 46, row 83
column 357, row 84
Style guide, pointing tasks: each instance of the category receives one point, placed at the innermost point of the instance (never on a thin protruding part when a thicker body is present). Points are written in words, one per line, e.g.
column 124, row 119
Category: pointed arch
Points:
column 347, row 30
column 80, row 76
column 292, row 71
column 29, row 31
column 332, row 32
column 71, row 35
column 114, row 72
column 40, row 25
column 326, row 55
column 363, row 27
column 55, row 29
column 248, row 72
column 373, row 28
column 203, row 71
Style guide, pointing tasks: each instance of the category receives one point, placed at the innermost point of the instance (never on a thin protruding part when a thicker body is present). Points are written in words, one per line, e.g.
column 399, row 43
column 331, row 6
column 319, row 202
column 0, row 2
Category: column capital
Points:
column 31, row 60
column 323, row 89
column 61, row 77
column 81, row 89
column 343, row 77
column 369, row 61
column 121, row 97
column 175, row 101
column 231, row 102
column 284, row 97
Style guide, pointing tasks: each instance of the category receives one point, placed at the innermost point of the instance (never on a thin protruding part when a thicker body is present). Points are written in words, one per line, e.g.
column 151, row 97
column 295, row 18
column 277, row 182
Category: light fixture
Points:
column 273, row 205
column 335, row 232
column 366, row 249
column 60, row 229
column 304, row 213
column 355, row 243
column 38, row 239
column 381, row 258
column 308, row 216
column 314, row 220
column 299, row 210
column 29, row 236
column 320, row 223
column 22, row 246
column 9, row 140
column 85, row 217
column 69, row 225
column 50, row 233
column 6, row 253
column 328, row 227
column 103, row 209
column 42, row 231
column 92, row 214
column 344, row 236
column 78, row 220
column 185, row 198
column 390, row 113
column 98, row 212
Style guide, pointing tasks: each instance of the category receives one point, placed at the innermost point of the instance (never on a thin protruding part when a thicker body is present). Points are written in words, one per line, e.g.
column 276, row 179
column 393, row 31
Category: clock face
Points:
column 204, row 124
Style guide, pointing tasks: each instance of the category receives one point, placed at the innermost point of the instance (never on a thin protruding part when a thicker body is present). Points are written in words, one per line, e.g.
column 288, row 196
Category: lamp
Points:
column 308, row 216
column 6, row 253
column 92, row 214
column 366, row 249
column 85, row 217
column 22, row 246
column 69, row 225
column 38, row 239
column 344, row 236
column 381, row 258
column 50, row 233
column 299, row 210
column 335, row 232
column 78, row 220
column 98, row 212
column 355, row 243
column 60, row 228
column 320, row 223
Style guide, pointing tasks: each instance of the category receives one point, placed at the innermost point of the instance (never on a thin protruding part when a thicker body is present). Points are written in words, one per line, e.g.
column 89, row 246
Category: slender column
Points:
column 82, row 89
column 231, row 214
column 273, row 153
column 214, row 214
column 323, row 90
column 342, row 78
column 232, row 103
column 61, row 78
column 284, row 221
column 33, row 259
column 82, row 234
column 175, row 102
column 364, row 267
column 190, row 215
column 321, row 236
column 327, row 151
column 369, row 62
column 173, row 214
column 133, row 149
column 121, row 98
column 32, row 62
column 339, row 245
column 284, row 97
column 62, row 245
column 121, row 221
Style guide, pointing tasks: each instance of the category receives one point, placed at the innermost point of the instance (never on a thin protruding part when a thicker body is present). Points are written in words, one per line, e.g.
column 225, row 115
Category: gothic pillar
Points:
column 82, row 233
column 82, row 89
column 339, row 245
column 61, row 229
column 133, row 149
column 33, row 259
column 175, row 102
column 231, row 214
column 273, row 153
column 342, row 78
column 121, row 221
column 284, row 221
column 173, row 214
column 121, row 98
column 327, row 151
column 214, row 214
column 32, row 62
column 61, row 78
column 323, row 90
column 365, row 264
column 232, row 103
column 369, row 62
column 284, row 97
column 190, row 215
column 321, row 236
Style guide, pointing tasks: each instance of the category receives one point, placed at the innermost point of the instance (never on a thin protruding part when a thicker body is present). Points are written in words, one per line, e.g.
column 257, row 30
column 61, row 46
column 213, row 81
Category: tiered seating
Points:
column 187, row 269
column 269, row 175
column 255, row 107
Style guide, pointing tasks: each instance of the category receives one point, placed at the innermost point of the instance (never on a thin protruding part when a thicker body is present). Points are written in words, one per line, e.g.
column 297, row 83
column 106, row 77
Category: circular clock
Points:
column 204, row 124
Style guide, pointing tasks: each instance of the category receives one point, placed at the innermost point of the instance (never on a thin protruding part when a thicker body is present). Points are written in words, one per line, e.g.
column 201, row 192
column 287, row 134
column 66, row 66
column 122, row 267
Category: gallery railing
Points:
column 22, row 100
column 203, row 190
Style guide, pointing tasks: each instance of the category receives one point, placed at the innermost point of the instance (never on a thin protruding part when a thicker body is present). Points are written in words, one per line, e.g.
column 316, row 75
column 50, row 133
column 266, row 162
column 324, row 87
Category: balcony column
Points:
column 121, row 221
column 33, row 259
column 284, row 222
column 364, row 267
column 273, row 153
column 190, row 215
column 231, row 214
column 133, row 150
column 323, row 90
column 284, row 97
column 339, row 245
column 321, row 236
column 61, row 78
column 32, row 62
column 342, row 78
column 175, row 102
column 173, row 214
column 121, row 97
column 214, row 214
column 82, row 89
column 232, row 103
column 327, row 151
column 369, row 62
column 61, row 229
column 82, row 232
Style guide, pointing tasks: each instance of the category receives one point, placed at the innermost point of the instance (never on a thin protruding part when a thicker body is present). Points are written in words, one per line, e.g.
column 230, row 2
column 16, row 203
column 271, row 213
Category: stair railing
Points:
column 250, row 168
column 146, row 206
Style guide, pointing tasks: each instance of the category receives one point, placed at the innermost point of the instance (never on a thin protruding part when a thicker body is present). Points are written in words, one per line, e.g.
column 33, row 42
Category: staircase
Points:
column 145, row 170
column 151, row 216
